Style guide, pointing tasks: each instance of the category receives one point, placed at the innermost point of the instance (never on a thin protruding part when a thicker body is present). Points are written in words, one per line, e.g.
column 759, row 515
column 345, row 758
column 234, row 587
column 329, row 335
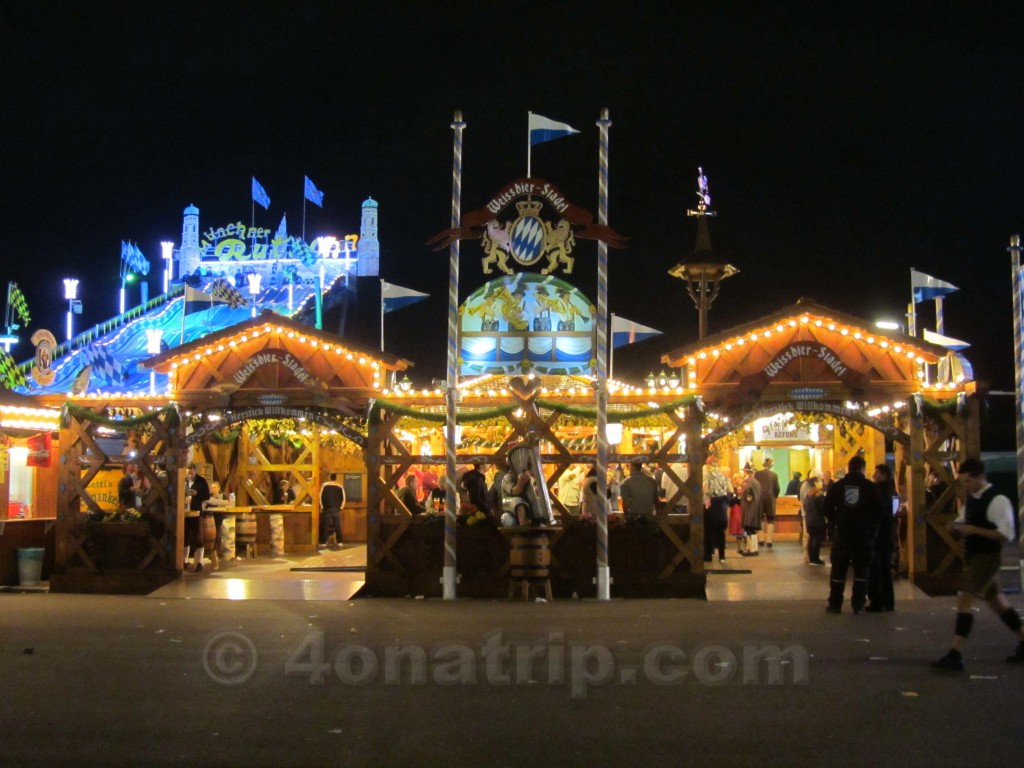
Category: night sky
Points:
column 841, row 148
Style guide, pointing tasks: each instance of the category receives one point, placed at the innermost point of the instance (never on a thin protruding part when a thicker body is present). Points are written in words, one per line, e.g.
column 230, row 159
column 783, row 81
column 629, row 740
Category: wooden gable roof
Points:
column 274, row 355
column 806, row 346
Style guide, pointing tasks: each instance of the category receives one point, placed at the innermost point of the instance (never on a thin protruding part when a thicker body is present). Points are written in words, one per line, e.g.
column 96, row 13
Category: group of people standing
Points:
column 742, row 506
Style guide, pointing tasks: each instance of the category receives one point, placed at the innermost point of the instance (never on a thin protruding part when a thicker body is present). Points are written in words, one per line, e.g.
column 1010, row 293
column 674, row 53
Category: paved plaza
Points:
column 183, row 680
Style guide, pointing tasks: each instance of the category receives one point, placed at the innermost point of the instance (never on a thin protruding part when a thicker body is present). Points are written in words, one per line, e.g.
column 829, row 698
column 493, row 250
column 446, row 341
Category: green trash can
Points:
column 30, row 566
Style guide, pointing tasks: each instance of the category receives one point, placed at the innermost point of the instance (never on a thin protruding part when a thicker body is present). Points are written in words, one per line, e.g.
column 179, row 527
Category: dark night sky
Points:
column 842, row 148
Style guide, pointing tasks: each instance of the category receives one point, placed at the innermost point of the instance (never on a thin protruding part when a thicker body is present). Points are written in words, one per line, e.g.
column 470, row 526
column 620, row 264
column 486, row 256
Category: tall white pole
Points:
column 1018, row 368
column 603, row 572
column 382, row 315
column 529, row 144
column 448, row 575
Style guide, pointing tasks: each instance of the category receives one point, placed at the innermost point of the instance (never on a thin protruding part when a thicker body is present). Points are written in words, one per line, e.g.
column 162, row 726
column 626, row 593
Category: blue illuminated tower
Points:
column 369, row 245
column 189, row 254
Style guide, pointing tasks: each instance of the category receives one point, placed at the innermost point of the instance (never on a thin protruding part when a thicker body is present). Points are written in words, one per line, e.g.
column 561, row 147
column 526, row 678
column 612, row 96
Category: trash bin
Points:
column 30, row 566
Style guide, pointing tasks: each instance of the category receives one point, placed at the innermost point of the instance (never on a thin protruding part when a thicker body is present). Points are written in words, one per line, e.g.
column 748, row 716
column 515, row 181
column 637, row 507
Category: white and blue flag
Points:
column 314, row 195
column 259, row 194
column 927, row 287
column 628, row 332
column 544, row 129
column 394, row 297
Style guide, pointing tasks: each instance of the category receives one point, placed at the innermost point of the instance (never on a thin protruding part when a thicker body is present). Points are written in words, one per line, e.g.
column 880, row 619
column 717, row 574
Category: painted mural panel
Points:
column 526, row 322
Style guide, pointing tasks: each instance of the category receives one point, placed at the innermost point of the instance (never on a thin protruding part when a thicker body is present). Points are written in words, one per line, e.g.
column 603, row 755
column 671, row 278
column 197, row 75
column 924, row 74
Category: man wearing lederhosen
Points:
column 985, row 522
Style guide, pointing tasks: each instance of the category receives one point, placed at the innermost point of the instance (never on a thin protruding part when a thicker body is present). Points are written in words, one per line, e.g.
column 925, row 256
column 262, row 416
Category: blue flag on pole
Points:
column 313, row 194
column 927, row 287
column 259, row 194
column 395, row 296
column 544, row 129
column 627, row 332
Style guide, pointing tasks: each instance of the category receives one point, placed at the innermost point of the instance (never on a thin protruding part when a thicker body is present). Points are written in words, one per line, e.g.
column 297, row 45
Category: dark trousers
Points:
column 850, row 547
column 330, row 516
column 880, row 588
column 814, row 538
column 716, row 521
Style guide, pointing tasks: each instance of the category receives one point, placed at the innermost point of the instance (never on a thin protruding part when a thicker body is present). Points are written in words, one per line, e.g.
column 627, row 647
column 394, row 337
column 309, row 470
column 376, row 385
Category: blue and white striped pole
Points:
column 448, row 575
column 1018, row 369
column 603, row 574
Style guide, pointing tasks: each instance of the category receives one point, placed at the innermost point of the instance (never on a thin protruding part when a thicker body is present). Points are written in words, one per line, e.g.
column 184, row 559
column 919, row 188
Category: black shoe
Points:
column 769, row 545
column 199, row 567
column 857, row 609
column 817, row 562
column 833, row 609
column 1018, row 656
column 951, row 662
column 873, row 609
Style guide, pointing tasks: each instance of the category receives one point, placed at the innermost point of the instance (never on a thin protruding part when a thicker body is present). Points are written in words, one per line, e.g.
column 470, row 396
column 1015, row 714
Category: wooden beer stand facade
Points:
column 269, row 367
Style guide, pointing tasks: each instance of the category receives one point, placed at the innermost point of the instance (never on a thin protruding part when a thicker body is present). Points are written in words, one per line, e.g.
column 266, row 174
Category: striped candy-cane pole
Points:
column 940, row 321
column 603, row 575
column 448, row 576
column 1018, row 365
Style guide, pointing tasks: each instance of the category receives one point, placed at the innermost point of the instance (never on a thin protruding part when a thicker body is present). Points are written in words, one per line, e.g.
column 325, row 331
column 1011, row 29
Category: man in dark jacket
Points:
column 880, row 587
column 769, row 482
column 332, row 501
column 853, row 504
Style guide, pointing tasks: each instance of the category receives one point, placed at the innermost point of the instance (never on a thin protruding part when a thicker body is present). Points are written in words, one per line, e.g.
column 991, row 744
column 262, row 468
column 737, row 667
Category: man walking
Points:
column 853, row 504
column 716, row 505
column 985, row 522
column 332, row 500
column 770, row 489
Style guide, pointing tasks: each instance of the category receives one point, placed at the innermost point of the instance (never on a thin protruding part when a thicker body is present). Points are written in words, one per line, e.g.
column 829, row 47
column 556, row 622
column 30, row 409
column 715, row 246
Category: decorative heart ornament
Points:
column 524, row 389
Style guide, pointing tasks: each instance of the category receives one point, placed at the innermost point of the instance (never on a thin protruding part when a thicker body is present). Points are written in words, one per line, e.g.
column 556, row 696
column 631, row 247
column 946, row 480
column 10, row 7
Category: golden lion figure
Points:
column 496, row 242
column 559, row 241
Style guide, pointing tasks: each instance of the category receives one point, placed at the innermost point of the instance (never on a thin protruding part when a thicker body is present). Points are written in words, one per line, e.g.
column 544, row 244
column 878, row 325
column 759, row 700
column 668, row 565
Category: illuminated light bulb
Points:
column 314, row 343
column 302, row 339
column 805, row 319
column 702, row 355
column 232, row 343
column 691, row 360
column 717, row 352
column 753, row 337
column 728, row 347
column 291, row 334
column 818, row 323
column 740, row 341
column 174, row 365
column 871, row 339
column 779, row 328
column 349, row 356
column 856, row 335
column 792, row 323
column 831, row 326
column 767, row 333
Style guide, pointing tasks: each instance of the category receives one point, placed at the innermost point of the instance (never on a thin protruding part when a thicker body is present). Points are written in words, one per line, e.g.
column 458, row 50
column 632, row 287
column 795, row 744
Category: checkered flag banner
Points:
column 303, row 252
column 225, row 291
column 133, row 258
column 10, row 374
column 18, row 304
column 105, row 365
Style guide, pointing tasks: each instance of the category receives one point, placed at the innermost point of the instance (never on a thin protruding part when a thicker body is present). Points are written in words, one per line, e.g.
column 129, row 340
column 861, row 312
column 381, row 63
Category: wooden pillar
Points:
column 917, row 472
column 374, row 479
column 696, row 454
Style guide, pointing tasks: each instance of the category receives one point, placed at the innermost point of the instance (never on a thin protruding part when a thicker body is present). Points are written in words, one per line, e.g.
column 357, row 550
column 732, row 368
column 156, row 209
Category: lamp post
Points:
column 254, row 279
column 167, row 252
column 74, row 305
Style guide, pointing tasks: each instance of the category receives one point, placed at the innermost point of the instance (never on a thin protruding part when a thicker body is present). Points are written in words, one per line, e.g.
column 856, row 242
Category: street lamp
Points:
column 167, row 251
column 405, row 384
column 651, row 380
column 662, row 379
column 74, row 305
column 254, row 279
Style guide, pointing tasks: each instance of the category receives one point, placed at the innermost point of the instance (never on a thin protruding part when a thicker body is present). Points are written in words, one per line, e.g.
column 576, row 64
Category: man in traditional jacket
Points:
column 770, row 489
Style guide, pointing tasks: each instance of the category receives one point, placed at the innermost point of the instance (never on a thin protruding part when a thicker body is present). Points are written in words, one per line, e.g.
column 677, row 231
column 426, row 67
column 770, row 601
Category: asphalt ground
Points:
column 105, row 680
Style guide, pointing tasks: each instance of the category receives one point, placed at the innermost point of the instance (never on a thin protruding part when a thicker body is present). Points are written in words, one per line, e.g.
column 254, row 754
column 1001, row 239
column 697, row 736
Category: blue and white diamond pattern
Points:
column 527, row 240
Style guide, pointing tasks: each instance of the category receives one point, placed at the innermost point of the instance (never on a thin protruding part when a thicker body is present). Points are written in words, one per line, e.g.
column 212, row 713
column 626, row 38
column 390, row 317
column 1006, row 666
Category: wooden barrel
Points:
column 530, row 555
column 245, row 529
column 208, row 528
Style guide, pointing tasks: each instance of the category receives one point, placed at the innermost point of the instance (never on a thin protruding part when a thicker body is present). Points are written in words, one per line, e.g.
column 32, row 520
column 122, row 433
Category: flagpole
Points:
column 611, row 351
column 184, row 301
column 940, row 324
column 448, row 574
column 303, row 215
column 912, row 310
column 601, row 390
column 529, row 146
column 382, row 314
column 1018, row 364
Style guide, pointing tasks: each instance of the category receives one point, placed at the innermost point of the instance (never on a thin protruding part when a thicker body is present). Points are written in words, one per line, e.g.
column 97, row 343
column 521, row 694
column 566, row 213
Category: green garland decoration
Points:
column 486, row 414
column 225, row 437
column 122, row 425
